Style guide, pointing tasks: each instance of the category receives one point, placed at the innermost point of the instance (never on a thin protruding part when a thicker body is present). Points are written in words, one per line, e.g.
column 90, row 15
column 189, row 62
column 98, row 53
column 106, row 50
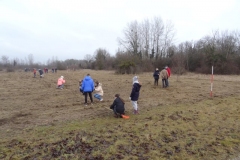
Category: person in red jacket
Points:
column 169, row 73
column 34, row 72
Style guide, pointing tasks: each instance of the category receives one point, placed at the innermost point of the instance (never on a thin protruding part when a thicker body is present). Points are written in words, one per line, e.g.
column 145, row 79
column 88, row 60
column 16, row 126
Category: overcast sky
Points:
column 73, row 28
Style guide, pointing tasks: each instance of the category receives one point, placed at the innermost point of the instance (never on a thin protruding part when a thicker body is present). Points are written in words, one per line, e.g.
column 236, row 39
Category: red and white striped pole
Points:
column 211, row 83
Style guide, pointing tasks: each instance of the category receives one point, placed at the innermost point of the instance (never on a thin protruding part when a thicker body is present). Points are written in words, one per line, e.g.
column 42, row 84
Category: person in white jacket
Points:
column 98, row 91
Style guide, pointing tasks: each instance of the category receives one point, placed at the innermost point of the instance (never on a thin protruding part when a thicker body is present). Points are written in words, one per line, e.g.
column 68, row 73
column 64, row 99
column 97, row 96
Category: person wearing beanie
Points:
column 118, row 106
column 98, row 91
column 156, row 76
column 60, row 83
column 135, row 94
column 164, row 76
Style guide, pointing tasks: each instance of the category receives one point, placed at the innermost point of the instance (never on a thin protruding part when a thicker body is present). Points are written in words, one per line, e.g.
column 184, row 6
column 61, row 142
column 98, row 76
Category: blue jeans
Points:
column 99, row 97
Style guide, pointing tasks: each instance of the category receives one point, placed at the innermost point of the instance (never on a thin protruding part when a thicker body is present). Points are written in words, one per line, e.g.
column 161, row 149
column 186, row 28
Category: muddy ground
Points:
column 27, row 102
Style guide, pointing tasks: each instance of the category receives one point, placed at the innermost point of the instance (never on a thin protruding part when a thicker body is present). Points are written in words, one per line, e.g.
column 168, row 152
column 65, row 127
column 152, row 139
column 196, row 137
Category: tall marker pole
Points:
column 211, row 83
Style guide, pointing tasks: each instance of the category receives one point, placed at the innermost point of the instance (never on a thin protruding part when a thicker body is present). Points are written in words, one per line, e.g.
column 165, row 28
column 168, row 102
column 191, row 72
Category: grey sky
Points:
column 73, row 28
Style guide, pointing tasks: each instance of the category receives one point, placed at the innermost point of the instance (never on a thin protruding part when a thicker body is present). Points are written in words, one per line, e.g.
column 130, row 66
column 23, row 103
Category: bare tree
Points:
column 101, row 56
column 167, row 39
column 5, row 59
column 157, row 32
column 88, row 59
column 131, row 38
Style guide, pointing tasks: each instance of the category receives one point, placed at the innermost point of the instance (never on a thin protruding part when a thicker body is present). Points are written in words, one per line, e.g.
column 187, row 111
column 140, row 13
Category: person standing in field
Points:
column 135, row 94
column 98, row 91
column 169, row 73
column 164, row 76
column 41, row 73
column 88, row 88
column 118, row 106
column 60, row 83
column 34, row 72
column 156, row 76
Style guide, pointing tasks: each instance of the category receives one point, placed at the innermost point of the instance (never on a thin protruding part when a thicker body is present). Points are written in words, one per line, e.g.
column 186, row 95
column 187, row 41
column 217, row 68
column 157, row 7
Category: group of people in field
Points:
column 93, row 88
column 164, row 74
column 41, row 72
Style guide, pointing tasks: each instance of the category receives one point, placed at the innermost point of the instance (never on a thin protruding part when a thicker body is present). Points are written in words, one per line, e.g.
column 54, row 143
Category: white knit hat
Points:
column 135, row 79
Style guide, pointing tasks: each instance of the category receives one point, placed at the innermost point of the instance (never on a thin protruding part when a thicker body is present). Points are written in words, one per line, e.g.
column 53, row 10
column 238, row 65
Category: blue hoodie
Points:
column 87, row 84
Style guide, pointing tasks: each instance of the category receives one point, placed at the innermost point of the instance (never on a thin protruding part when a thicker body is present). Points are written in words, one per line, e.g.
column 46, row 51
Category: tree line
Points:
column 150, row 44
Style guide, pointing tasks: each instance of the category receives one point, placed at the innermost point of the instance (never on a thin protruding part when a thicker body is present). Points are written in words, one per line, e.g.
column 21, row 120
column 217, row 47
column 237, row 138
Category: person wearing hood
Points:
column 135, row 94
column 156, row 76
column 98, row 91
column 60, row 83
column 88, row 87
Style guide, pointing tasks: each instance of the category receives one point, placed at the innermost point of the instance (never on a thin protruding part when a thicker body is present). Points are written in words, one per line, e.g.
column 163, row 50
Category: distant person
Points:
column 156, row 76
column 135, row 94
column 41, row 73
column 98, row 91
column 34, row 72
column 88, row 88
column 52, row 70
column 55, row 70
column 118, row 106
column 164, row 76
column 169, row 73
column 60, row 82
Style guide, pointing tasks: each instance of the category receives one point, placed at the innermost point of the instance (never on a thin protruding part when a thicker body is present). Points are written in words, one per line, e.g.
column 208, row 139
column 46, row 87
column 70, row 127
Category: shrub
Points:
column 10, row 69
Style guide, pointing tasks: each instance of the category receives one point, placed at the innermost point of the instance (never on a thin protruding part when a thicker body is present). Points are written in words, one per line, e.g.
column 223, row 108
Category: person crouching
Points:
column 60, row 83
column 118, row 106
column 98, row 91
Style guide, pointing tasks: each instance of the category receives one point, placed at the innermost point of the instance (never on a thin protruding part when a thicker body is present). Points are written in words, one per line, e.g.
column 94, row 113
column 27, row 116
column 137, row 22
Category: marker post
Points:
column 211, row 84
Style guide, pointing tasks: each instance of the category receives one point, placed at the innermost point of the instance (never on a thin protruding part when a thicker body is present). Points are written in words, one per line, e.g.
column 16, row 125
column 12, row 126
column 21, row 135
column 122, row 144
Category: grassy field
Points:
column 180, row 122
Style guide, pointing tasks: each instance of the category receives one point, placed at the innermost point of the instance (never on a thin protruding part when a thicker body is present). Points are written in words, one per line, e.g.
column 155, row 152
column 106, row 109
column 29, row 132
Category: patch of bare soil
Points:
column 27, row 102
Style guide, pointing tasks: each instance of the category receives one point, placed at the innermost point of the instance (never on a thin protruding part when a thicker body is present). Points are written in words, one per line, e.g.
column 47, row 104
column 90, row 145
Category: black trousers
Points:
column 90, row 95
column 156, row 81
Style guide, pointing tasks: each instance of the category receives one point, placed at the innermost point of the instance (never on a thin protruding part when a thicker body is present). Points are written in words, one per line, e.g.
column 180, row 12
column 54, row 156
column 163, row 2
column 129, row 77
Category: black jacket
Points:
column 135, row 92
column 156, row 74
column 40, row 72
column 118, row 103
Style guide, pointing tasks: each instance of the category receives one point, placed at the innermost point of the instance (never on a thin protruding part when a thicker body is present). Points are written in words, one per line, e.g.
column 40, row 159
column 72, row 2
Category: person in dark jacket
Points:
column 41, row 73
column 88, row 87
column 156, row 76
column 135, row 94
column 118, row 106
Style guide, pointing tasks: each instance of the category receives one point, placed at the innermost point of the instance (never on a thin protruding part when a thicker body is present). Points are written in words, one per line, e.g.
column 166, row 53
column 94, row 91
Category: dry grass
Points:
column 180, row 122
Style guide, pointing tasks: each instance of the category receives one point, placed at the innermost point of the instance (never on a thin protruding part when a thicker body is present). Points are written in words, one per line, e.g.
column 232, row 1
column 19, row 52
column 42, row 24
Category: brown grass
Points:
column 180, row 122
